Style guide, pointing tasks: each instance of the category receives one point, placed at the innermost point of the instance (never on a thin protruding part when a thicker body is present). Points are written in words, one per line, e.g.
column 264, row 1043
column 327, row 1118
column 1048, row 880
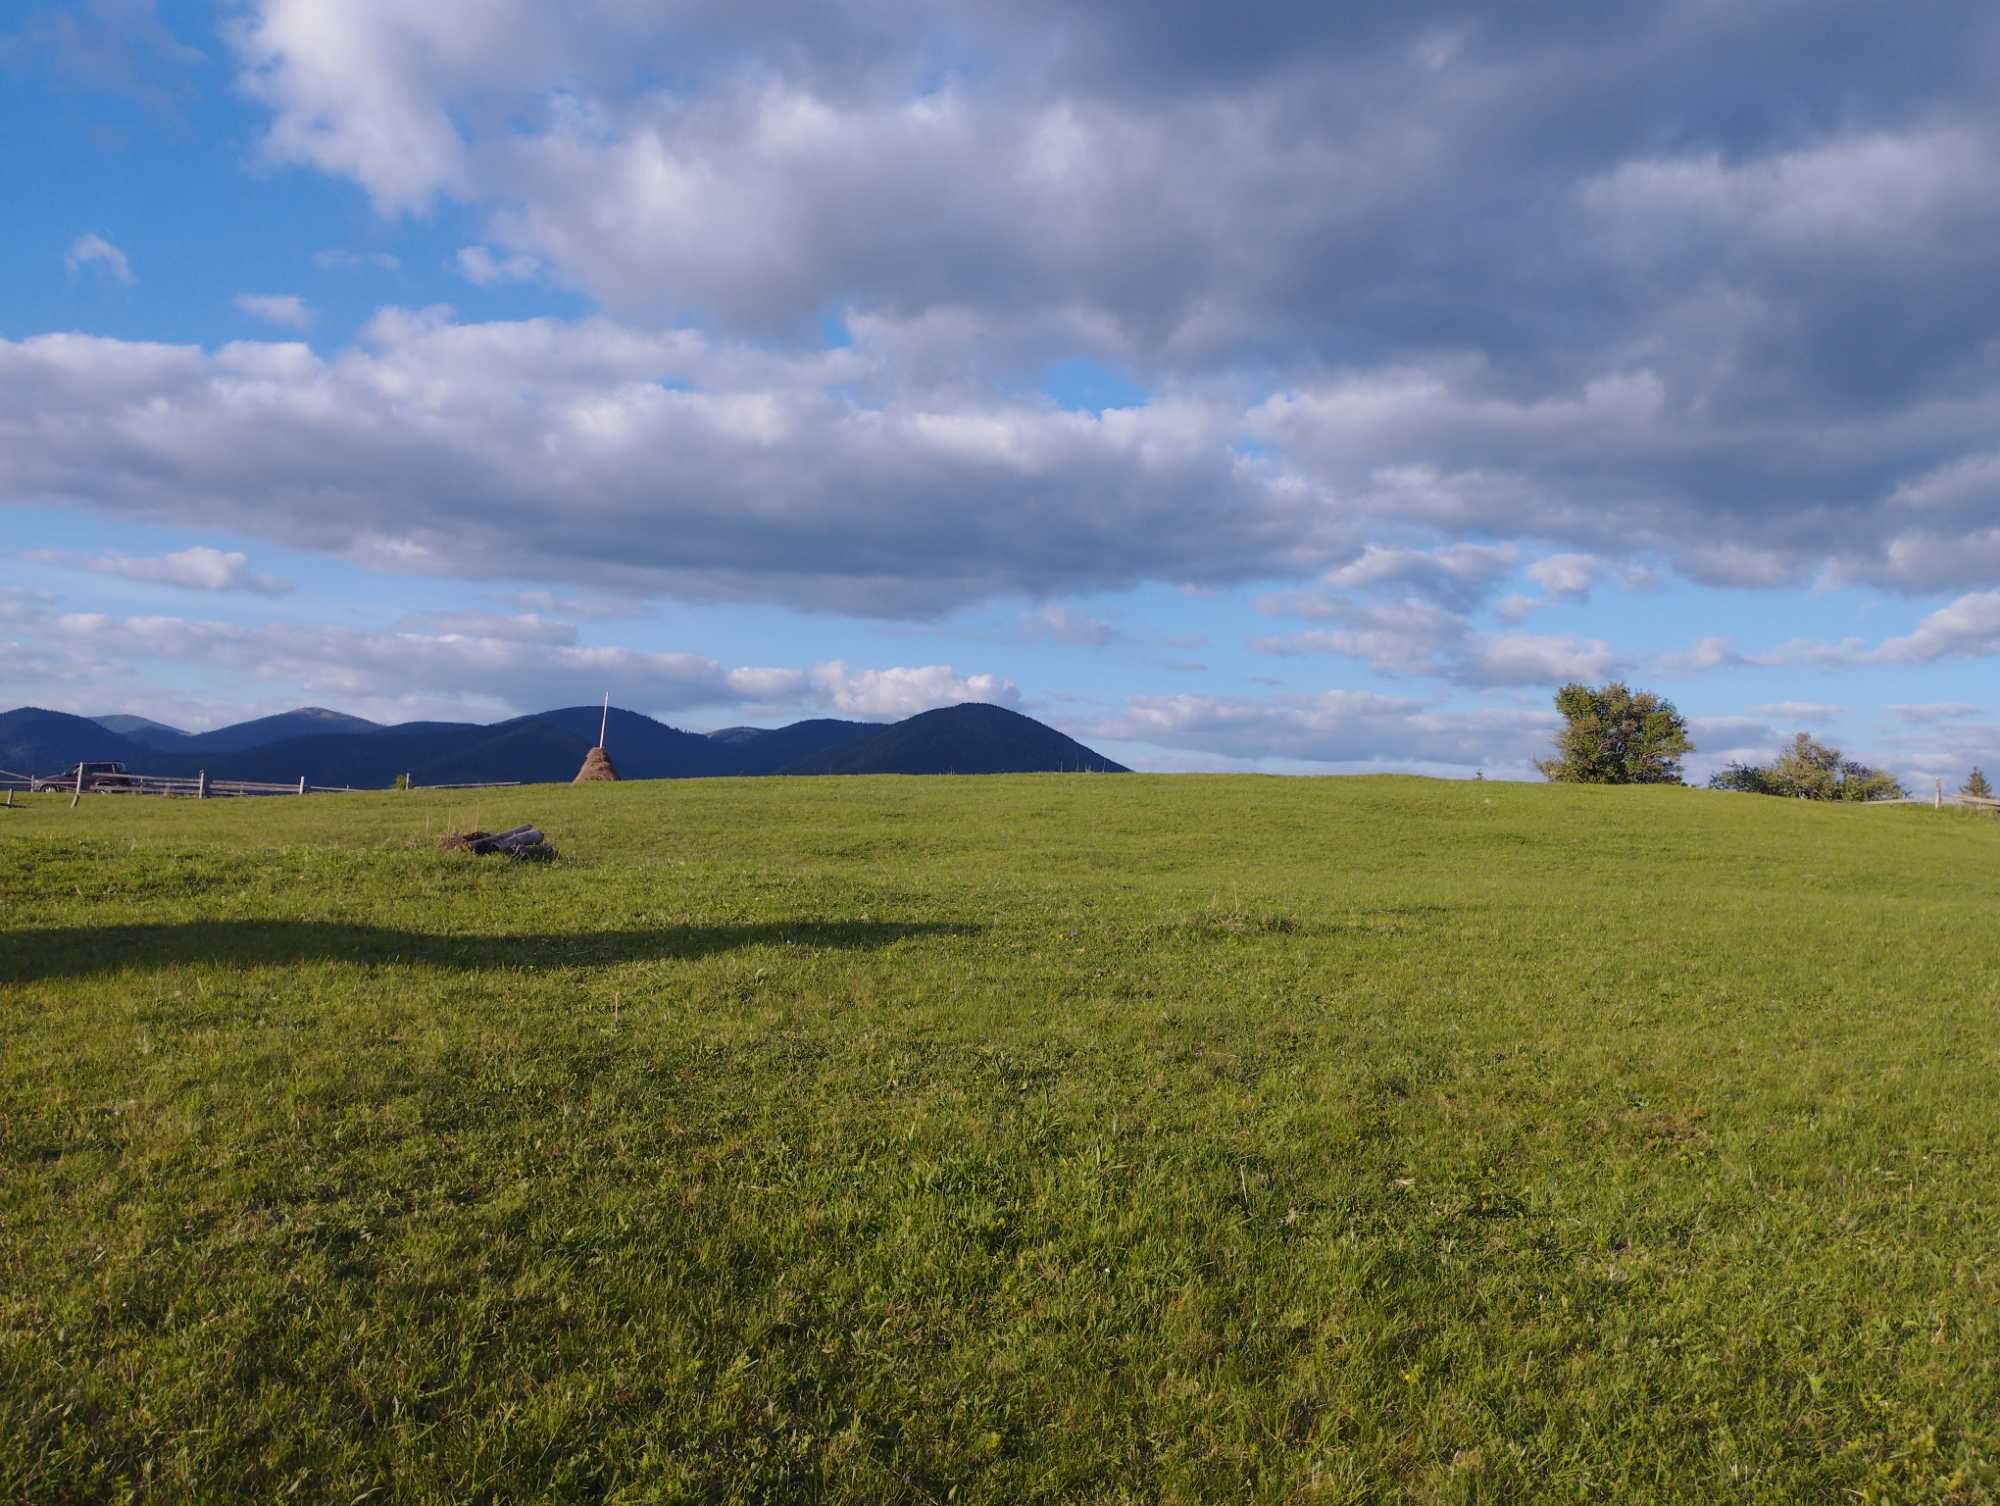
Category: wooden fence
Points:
column 197, row 787
column 1941, row 798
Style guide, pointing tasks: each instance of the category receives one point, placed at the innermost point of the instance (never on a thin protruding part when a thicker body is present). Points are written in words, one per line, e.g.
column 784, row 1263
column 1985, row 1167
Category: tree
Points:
column 1977, row 785
column 1810, row 770
column 1615, row 735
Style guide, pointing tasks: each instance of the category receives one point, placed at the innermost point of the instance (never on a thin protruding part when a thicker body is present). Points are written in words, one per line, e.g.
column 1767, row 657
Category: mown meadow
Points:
column 1027, row 1139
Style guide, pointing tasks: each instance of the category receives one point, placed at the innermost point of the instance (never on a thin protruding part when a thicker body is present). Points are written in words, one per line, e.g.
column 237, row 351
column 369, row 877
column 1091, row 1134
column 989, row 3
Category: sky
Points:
column 1282, row 387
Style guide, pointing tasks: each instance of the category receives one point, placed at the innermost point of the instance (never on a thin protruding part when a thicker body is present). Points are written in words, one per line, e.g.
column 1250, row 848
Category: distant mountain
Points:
column 970, row 739
column 549, row 746
column 641, row 747
column 35, row 741
column 425, row 729
column 524, row 749
column 759, row 750
column 142, row 729
column 308, row 721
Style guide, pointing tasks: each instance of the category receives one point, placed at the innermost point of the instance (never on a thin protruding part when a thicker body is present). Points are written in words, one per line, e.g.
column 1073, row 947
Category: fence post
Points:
column 1938, row 803
column 74, row 799
column 302, row 784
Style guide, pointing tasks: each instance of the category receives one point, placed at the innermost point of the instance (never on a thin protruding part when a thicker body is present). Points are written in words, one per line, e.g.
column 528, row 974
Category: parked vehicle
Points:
column 104, row 771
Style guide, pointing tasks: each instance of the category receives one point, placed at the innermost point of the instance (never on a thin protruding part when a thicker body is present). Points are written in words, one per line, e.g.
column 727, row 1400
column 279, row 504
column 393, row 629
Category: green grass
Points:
column 1005, row 1140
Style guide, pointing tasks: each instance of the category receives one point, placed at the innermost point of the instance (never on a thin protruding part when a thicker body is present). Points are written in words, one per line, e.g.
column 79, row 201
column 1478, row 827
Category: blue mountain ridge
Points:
column 342, row 751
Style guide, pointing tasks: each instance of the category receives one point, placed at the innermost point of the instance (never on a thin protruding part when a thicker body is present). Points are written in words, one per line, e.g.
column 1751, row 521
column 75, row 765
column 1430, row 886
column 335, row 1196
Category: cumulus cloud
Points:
column 115, row 45
column 482, row 268
column 92, row 249
column 1755, row 399
column 336, row 259
column 1459, row 575
column 1068, row 625
column 1755, row 345
column 886, row 694
column 1566, row 575
column 1417, row 636
column 1336, row 727
column 287, row 310
column 1935, row 712
column 656, row 462
column 509, row 662
column 1966, row 628
column 200, row 568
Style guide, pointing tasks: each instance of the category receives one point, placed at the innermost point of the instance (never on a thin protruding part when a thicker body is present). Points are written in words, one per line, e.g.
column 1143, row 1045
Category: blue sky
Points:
column 1309, row 397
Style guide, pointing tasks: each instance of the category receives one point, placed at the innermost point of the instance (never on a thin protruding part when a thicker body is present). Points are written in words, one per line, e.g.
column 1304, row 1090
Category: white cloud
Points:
column 200, row 568
column 483, row 269
column 1873, row 189
column 1533, row 659
column 92, row 249
column 1966, row 628
column 1712, row 652
column 1068, row 625
column 335, row 259
column 1458, row 574
column 897, row 693
column 1566, row 575
column 650, row 463
column 1335, row 727
column 286, row 310
column 1935, row 712
column 501, row 664
column 1418, row 637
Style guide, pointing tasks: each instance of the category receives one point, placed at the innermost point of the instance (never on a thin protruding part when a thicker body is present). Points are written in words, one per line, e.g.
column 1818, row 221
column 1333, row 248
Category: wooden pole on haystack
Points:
column 597, row 763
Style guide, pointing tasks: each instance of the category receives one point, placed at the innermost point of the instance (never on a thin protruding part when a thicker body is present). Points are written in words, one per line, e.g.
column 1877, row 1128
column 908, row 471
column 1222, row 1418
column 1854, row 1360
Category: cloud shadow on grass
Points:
column 82, row 951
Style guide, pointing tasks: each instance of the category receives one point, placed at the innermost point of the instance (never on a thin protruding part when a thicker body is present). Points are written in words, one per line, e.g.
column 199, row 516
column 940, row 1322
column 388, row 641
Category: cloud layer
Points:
column 1625, row 281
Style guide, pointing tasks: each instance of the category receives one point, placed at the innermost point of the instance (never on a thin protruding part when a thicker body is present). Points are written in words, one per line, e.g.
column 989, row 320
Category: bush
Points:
column 1810, row 770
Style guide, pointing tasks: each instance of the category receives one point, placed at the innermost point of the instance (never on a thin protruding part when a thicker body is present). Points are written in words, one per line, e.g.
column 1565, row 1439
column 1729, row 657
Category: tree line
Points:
column 1613, row 734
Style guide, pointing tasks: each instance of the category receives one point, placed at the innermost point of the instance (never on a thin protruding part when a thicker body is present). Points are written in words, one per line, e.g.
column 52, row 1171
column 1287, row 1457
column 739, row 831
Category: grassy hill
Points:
column 1002, row 1140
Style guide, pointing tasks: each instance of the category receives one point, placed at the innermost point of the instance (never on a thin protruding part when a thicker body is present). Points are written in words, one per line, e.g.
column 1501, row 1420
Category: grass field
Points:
column 1001, row 1140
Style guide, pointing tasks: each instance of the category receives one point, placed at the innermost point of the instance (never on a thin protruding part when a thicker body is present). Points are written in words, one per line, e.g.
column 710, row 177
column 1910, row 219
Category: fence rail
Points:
column 1970, row 802
column 200, row 786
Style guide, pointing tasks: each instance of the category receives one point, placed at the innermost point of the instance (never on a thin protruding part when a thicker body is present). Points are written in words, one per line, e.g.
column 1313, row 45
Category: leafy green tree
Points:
column 1810, row 770
column 1977, row 785
column 1616, row 735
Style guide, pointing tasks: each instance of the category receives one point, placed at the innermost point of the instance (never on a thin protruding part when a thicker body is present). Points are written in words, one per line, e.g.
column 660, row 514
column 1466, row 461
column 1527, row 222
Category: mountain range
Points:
column 330, row 748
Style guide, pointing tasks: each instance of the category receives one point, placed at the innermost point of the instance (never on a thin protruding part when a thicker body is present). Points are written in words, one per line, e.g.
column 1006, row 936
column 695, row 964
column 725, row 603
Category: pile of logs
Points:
column 514, row 844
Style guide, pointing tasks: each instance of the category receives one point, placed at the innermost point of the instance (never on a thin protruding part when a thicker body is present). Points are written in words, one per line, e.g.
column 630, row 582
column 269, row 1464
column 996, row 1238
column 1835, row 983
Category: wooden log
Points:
column 509, row 842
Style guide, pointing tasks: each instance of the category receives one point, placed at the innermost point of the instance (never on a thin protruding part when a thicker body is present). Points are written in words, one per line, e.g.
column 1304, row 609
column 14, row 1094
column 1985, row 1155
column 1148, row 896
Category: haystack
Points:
column 596, row 765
